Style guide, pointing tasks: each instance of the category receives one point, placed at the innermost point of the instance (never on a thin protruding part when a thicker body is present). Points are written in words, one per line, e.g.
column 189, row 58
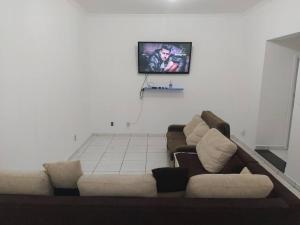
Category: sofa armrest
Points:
column 176, row 128
column 187, row 148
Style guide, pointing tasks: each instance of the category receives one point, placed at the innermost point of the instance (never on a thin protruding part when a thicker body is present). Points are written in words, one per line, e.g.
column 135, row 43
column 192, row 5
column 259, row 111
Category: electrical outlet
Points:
column 75, row 137
column 128, row 124
column 112, row 124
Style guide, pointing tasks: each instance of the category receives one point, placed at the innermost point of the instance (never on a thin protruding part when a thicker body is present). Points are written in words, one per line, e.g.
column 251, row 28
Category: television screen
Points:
column 164, row 57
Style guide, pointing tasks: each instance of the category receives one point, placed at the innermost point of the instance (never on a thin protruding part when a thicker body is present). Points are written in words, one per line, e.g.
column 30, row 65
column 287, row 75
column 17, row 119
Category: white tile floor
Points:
column 123, row 154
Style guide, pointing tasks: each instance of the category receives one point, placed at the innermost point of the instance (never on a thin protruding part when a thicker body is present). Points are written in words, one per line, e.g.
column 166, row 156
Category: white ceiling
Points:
column 166, row 6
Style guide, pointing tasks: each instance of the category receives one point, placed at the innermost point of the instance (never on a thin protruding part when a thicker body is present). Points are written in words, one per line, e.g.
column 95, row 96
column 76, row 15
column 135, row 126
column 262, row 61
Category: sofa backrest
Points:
column 25, row 183
column 235, row 186
column 279, row 190
column 118, row 185
column 214, row 121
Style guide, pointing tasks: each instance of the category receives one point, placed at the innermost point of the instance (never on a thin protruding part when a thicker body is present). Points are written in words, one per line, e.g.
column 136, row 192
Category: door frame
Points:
column 292, row 103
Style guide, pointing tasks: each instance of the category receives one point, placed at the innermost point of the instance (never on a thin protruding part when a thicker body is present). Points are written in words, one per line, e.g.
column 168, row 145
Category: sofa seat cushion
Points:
column 25, row 183
column 229, row 186
column 215, row 150
column 191, row 162
column 118, row 185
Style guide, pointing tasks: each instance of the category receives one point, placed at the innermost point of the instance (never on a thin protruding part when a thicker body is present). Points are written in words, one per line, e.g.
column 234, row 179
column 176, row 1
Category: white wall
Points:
column 216, row 81
column 43, row 82
column 276, row 95
column 44, row 75
column 292, row 169
column 269, row 20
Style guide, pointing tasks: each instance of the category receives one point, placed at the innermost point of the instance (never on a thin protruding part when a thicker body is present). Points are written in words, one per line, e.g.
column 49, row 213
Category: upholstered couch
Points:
column 176, row 138
column 188, row 158
column 280, row 208
column 38, row 210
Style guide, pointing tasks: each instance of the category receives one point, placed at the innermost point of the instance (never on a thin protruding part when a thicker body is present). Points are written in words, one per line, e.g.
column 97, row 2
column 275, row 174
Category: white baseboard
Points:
column 272, row 147
column 133, row 134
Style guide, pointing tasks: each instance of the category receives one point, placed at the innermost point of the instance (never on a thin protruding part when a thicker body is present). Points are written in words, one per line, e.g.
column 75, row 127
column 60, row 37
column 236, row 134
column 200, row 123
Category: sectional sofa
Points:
column 186, row 156
column 281, row 207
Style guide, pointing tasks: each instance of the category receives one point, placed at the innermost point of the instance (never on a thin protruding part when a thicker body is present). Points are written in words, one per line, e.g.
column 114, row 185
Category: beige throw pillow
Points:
column 195, row 137
column 25, row 183
column 214, row 150
column 245, row 171
column 189, row 127
column 118, row 185
column 229, row 186
column 64, row 174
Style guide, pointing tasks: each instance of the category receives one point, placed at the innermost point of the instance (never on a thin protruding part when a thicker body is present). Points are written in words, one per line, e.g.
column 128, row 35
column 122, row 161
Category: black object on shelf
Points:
column 163, row 88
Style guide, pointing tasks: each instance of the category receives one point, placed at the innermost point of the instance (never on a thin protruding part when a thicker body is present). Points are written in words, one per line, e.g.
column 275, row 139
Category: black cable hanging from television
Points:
column 141, row 98
column 142, row 87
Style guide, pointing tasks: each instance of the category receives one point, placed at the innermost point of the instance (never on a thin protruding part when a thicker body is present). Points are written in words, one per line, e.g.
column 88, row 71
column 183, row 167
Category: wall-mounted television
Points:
column 164, row 57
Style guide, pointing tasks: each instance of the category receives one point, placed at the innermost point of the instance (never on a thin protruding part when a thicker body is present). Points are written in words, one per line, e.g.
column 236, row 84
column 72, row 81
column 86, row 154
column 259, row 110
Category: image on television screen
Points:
column 164, row 57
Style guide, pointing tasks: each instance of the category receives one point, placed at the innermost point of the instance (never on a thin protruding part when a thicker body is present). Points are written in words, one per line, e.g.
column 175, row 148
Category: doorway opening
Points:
column 279, row 86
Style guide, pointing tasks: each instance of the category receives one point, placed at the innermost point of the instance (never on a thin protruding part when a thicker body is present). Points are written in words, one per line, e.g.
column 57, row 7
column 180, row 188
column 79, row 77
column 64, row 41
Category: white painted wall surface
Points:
column 292, row 169
column 43, row 82
column 269, row 20
column 44, row 78
column 216, row 81
column 276, row 95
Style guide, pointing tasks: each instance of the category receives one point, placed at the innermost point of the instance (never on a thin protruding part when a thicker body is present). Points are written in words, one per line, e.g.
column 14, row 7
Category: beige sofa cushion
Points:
column 25, row 183
column 229, row 186
column 189, row 127
column 118, row 185
column 245, row 171
column 64, row 174
column 195, row 137
column 214, row 150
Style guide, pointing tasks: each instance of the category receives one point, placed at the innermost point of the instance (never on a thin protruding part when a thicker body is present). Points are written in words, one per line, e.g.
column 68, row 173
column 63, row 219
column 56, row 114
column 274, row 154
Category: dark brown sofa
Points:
column 176, row 137
column 280, row 194
column 31, row 210
column 280, row 208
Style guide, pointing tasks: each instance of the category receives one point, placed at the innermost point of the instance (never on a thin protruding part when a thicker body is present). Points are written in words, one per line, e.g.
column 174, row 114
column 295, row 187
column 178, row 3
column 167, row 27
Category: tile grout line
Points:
column 106, row 148
column 146, row 163
column 110, row 142
column 84, row 147
column 125, row 153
